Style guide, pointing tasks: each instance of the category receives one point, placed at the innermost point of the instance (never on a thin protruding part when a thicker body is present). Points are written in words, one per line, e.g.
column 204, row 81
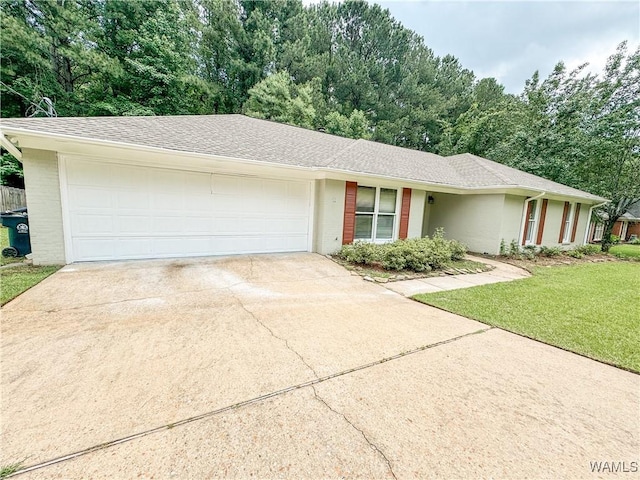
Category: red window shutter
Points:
column 543, row 214
column 575, row 222
column 404, row 212
column 526, row 223
column 564, row 221
column 349, row 225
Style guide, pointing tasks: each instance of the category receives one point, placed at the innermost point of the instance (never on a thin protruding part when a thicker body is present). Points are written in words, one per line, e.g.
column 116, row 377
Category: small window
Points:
column 566, row 234
column 598, row 232
column 375, row 214
column 531, row 221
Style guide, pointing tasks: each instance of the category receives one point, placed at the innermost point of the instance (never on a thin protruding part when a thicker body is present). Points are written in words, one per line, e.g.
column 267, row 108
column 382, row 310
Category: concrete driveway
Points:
column 288, row 366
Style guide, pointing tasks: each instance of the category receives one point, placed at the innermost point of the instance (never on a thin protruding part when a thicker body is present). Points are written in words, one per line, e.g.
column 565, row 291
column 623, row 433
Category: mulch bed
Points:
column 375, row 273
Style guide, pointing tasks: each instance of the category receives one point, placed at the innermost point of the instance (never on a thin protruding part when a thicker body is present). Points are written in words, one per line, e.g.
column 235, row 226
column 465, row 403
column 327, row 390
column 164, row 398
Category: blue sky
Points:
column 509, row 40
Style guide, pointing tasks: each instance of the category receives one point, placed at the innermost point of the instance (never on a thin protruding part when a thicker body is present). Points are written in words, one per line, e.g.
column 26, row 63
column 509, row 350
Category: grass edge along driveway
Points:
column 590, row 309
column 19, row 279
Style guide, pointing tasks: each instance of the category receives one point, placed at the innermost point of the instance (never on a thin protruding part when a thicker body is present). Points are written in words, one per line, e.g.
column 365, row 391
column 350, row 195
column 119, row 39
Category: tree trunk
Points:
column 607, row 242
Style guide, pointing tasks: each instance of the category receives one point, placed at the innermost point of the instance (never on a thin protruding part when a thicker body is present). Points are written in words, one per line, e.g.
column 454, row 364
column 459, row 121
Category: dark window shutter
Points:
column 349, row 225
column 564, row 221
column 543, row 215
column 404, row 212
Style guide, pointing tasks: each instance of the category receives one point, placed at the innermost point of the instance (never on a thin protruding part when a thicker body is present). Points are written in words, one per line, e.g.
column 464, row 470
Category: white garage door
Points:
column 126, row 212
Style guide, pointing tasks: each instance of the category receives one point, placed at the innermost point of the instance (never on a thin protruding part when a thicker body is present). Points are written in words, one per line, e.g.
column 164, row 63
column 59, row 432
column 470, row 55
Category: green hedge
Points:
column 417, row 254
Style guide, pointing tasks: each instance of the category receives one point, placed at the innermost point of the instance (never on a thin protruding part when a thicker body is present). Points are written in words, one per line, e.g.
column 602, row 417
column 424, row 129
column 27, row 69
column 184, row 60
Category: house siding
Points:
column 554, row 225
column 416, row 213
column 42, row 184
column 511, row 218
column 475, row 220
column 634, row 229
column 555, row 212
column 329, row 215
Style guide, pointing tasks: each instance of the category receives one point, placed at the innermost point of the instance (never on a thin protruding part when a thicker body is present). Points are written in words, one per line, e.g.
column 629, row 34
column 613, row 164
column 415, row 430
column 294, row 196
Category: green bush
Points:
column 458, row 250
column 550, row 251
column 529, row 252
column 503, row 248
column 588, row 249
column 361, row 253
column 615, row 239
column 635, row 241
column 575, row 253
column 514, row 248
column 394, row 257
column 417, row 254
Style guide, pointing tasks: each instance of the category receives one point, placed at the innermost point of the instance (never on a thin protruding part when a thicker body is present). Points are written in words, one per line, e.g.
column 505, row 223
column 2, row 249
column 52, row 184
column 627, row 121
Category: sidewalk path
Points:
column 503, row 272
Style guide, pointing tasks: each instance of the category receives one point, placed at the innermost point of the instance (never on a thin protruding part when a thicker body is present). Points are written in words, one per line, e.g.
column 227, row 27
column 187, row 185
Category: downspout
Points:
column 586, row 232
column 11, row 148
column 524, row 215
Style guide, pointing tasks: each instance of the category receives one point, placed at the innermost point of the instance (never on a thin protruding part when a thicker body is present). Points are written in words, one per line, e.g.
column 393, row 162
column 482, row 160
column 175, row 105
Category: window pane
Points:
column 530, row 229
column 364, row 225
column 532, row 209
column 387, row 200
column 384, row 229
column 365, row 199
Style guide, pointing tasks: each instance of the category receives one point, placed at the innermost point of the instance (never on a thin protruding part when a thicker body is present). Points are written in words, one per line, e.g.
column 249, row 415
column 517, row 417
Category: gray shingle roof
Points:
column 471, row 167
column 633, row 212
column 238, row 136
column 235, row 136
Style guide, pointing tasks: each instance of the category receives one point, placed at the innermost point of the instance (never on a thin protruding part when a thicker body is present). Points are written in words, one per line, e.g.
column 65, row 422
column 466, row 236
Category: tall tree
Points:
column 278, row 98
column 612, row 137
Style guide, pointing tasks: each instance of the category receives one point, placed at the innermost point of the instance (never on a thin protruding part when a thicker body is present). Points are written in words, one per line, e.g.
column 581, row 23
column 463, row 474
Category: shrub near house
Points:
column 416, row 254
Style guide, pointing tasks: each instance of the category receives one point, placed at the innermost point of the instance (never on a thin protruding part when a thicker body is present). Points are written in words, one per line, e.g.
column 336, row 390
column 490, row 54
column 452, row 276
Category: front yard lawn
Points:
column 591, row 309
column 626, row 251
column 15, row 280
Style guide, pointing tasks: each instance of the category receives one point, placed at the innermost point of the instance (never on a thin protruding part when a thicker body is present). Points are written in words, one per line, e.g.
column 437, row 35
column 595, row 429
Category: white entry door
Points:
column 127, row 212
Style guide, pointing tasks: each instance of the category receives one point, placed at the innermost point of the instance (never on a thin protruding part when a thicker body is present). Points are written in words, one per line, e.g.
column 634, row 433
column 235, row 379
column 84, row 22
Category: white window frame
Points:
column 532, row 229
column 598, row 232
column 376, row 213
column 568, row 224
column 624, row 229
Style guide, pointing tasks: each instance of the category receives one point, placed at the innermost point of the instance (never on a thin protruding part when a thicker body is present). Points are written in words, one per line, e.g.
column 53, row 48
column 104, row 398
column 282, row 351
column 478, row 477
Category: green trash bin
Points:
column 18, row 225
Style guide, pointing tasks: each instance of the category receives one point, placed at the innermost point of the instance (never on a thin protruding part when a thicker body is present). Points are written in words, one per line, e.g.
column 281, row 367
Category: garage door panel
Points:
column 119, row 211
column 90, row 174
column 127, row 200
column 93, row 248
column 133, row 224
column 91, row 197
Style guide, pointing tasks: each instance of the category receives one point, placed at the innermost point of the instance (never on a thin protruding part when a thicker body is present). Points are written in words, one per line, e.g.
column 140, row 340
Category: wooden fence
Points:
column 11, row 198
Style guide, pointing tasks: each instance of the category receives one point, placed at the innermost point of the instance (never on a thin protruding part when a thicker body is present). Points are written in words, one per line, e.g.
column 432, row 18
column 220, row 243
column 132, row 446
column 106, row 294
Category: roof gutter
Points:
column 524, row 215
column 11, row 148
column 586, row 232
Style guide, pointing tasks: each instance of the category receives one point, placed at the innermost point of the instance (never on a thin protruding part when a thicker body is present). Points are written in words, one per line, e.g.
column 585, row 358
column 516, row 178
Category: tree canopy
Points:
column 349, row 69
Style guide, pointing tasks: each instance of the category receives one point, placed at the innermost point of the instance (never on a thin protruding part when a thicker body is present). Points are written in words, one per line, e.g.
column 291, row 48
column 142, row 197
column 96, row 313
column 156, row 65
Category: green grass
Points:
column 7, row 470
column 626, row 251
column 591, row 309
column 14, row 281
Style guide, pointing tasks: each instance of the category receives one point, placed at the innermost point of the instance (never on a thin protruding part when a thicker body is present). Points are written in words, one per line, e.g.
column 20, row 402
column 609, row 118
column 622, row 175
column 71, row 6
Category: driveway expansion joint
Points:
column 360, row 431
column 251, row 401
